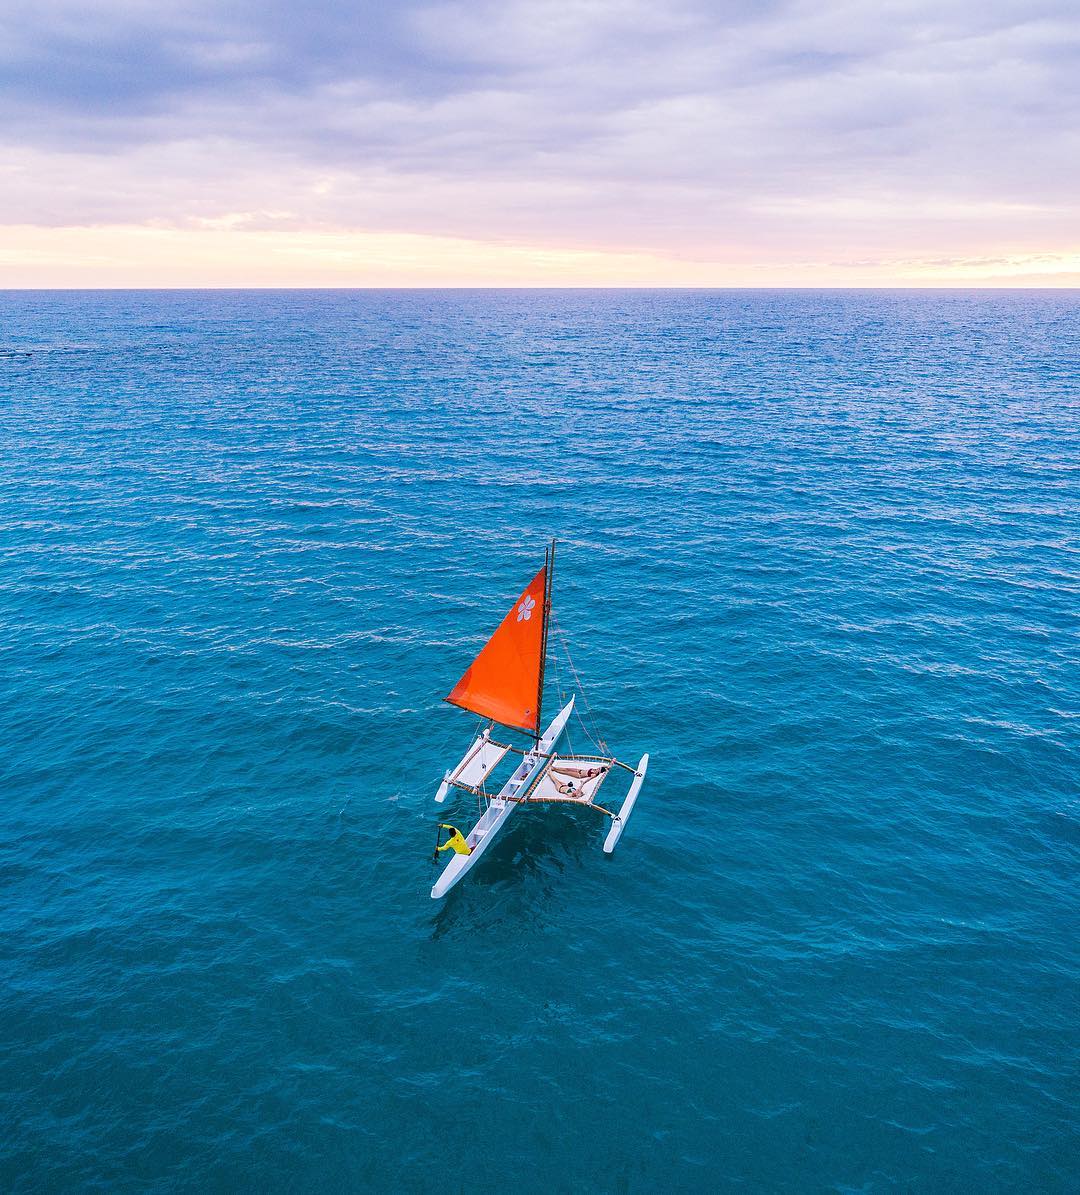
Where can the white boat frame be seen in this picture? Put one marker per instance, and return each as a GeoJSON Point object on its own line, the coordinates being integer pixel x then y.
{"type": "Point", "coordinates": [618, 822]}
{"type": "Point", "coordinates": [484, 755]}
{"type": "Point", "coordinates": [501, 806]}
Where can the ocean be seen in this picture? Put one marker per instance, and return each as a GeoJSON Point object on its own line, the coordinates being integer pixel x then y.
{"type": "Point", "coordinates": [818, 554]}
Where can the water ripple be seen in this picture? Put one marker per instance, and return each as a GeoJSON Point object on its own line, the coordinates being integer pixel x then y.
{"type": "Point", "coordinates": [819, 554]}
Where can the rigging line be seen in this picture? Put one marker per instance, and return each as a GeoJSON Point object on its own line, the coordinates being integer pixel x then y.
{"type": "Point", "coordinates": [592, 735]}
{"type": "Point", "coordinates": [558, 679]}
{"type": "Point", "coordinates": [562, 694]}
{"type": "Point", "coordinates": [581, 689]}
{"type": "Point", "coordinates": [593, 738]}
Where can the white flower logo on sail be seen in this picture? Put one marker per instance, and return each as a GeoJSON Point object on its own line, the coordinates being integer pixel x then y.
{"type": "Point", "coordinates": [526, 608]}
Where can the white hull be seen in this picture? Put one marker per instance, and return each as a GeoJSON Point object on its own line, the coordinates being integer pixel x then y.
{"type": "Point", "coordinates": [619, 824]}
{"type": "Point", "coordinates": [500, 807]}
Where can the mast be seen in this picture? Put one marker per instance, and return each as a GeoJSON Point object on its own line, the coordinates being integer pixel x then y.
{"type": "Point", "coordinates": [549, 575]}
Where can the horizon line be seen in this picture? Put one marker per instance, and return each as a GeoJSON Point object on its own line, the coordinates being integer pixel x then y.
{"type": "Point", "coordinates": [526, 286]}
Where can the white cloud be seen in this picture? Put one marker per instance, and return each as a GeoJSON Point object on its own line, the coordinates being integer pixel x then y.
{"type": "Point", "coordinates": [792, 132]}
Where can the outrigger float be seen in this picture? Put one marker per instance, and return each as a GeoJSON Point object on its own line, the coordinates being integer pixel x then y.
{"type": "Point", "coordinates": [505, 685]}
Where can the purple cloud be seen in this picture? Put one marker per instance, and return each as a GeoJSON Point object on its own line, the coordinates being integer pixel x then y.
{"type": "Point", "coordinates": [697, 129]}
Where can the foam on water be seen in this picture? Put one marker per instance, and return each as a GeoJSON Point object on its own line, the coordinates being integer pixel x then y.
{"type": "Point", "coordinates": [819, 554]}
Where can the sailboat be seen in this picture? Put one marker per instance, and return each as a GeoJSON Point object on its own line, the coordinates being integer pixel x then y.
{"type": "Point", "coordinates": [505, 686]}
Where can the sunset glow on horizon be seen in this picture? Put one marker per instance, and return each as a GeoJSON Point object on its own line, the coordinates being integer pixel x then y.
{"type": "Point", "coordinates": [553, 143]}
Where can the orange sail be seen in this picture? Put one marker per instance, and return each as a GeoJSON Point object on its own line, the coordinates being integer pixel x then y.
{"type": "Point", "coordinates": [503, 682]}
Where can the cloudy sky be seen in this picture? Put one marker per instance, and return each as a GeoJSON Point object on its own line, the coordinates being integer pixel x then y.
{"type": "Point", "coordinates": [547, 142]}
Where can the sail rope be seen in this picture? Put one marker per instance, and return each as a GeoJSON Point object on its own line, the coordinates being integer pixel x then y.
{"type": "Point", "coordinates": [482, 797]}
{"type": "Point", "coordinates": [594, 736]}
{"type": "Point", "coordinates": [561, 691]}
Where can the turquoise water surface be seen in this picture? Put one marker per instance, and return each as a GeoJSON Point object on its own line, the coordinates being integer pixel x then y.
{"type": "Point", "coordinates": [819, 554]}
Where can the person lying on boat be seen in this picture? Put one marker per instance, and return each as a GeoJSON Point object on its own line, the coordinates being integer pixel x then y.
{"type": "Point", "coordinates": [567, 787]}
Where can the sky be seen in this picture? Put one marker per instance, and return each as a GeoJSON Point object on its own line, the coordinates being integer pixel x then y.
{"type": "Point", "coordinates": [540, 143]}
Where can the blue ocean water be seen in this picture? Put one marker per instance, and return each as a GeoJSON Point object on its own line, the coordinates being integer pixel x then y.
{"type": "Point", "coordinates": [819, 554]}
